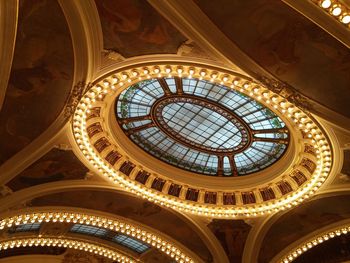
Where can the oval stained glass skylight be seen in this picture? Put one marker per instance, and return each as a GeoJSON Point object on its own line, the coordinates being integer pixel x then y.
{"type": "Point", "coordinates": [201, 126]}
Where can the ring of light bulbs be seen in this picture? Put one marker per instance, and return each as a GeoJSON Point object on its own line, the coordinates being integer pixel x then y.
{"type": "Point", "coordinates": [154, 240]}
{"type": "Point", "coordinates": [66, 243]}
{"type": "Point", "coordinates": [312, 242]}
{"type": "Point", "coordinates": [115, 82]}
{"type": "Point", "coordinates": [335, 9]}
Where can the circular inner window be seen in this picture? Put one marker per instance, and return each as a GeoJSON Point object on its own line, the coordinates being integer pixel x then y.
{"type": "Point", "coordinates": [201, 126]}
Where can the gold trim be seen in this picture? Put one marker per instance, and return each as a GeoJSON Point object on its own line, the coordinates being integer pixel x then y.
{"type": "Point", "coordinates": [105, 89]}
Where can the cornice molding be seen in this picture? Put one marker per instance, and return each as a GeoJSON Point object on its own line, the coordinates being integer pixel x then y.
{"type": "Point", "coordinates": [8, 31]}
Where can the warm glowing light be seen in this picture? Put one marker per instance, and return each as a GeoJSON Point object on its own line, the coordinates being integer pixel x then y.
{"type": "Point", "coordinates": [345, 19]}
{"type": "Point", "coordinates": [336, 11]}
{"type": "Point", "coordinates": [67, 243]}
{"type": "Point", "coordinates": [127, 228]}
{"type": "Point", "coordinates": [296, 252]}
{"type": "Point", "coordinates": [326, 3]}
{"type": "Point", "coordinates": [298, 120]}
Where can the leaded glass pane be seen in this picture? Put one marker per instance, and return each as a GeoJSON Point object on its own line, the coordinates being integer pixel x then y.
{"type": "Point", "coordinates": [189, 127]}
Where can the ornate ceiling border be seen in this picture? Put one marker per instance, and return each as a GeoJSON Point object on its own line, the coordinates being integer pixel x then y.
{"type": "Point", "coordinates": [99, 149]}
{"type": "Point", "coordinates": [135, 230]}
{"type": "Point", "coordinates": [72, 243]}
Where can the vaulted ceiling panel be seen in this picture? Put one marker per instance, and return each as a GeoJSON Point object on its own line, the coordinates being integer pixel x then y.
{"type": "Point", "coordinates": [134, 28]}
{"type": "Point", "coordinates": [302, 221]}
{"type": "Point", "coordinates": [41, 75]}
{"type": "Point", "coordinates": [289, 46]}
{"type": "Point", "coordinates": [56, 165]}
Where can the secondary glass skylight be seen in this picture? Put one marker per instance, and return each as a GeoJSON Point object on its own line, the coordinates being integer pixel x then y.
{"type": "Point", "coordinates": [33, 227]}
{"type": "Point", "coordinates": [131, 243]}
{"type": "Point", "coordinates": [112, 236]}
{"type": "Point", "coordinates": [201, 126]}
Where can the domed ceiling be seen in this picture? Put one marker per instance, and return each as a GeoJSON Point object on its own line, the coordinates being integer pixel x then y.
{"type": "Point", "coordinates": [201, 127]}
{"type": "Point", "coordinates": [174, 131]}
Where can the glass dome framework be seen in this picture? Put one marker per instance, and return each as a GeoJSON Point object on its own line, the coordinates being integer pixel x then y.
{"type": "Point", "coordinates": [104, 146]}
{"type": "Point", "coordinates": [201, 126]}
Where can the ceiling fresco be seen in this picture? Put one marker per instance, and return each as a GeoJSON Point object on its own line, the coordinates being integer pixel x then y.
{"type": "Point", "coordinates": [301, 221]}
{"type": "Point", "coordinates": [133, 208]}
{"type": "Point", "coordinates": [54, 251]}
{"type": "Point", "coordinates": [134, 28]}
{"type": "Point", "coordinates": [289, 46]}
{"type": "Point", "coordinates": [56, 165]}
{"type": "Point", "coordinates": [41, 75]}
{"type": "Point", "coordinates": [282, 41]}
{"type": "Point", "coordinates": [232, 235]}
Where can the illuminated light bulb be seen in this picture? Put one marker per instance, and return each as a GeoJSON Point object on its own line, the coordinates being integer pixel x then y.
{"type": "Point", "coordinates": [135, 73]}
{"type": "Point", "coordinates": [179, 70]}
{"type": "Point", "coordinates": [156, 70]}
{"type": "Point", "coordinates": [326, 4]}
{"type": "Point", "coordinates": [203, 73]}
{"type": "Point", "coordinates": [345, 19]}
{"type": "Point", "coordinates": [115, 79]}
{"type": "Point", "coordinates": [145, 71]}
{"type": "Point", "coordinates": [336, 11]}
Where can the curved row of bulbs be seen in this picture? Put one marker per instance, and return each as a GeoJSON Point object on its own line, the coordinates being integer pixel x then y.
{"type": "Point", "coordinates": [336, 10]}
{"type": "Point", "coordinates": [120, 80]}
{"type": "Point", "coordinates": [137, 232]}
{"type": "Point", "coordinates": [66, 243]}
{"type": "Point", "coordinates": [296, 252]}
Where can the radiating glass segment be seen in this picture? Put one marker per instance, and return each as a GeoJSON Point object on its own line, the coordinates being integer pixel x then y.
{"type": "Point", "coordinates": [200, 124]}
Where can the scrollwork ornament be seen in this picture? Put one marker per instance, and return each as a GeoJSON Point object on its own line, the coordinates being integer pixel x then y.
{"type": "Point", "coordinates": [286, 92]}
{"type": "Point", "coordinates": [74, 97]}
